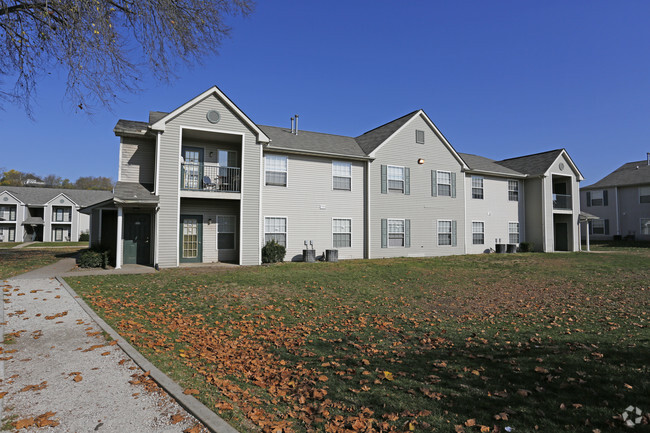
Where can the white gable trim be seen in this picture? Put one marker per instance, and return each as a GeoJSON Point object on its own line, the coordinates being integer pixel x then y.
{"type": "Point", "coordinates": [214, 90]}
{"type": "Point", "coordinates": [433, 128]}
{"type": "Point", "coordinates": [59, 195]}
{"type": "Point", "coordinates": [579, 176]}
{"type": "Point", "coordinates": [12, 196]}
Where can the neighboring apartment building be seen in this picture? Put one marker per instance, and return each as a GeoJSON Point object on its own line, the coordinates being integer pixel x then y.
{"type": "Point", "coordinates": [45, 214]}
{"type": "Point", "coordinates": [622, 201]}
{"type": "Point", "coordinates": [204, 183]}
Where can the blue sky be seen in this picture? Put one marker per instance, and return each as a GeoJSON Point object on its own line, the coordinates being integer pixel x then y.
{"type": "Point", "coordinates": [499, 79]}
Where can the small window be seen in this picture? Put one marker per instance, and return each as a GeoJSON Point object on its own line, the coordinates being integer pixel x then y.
{"type": "Point", "coordinates": [341, 175]}
{"type": "Point", "coordinates": [598, 227]}
{"type": "Point", "coordinates": [477, 187]}
{"type": "Point", "coordinates": [276, 170]}
{"type": "Point", "coordinates": [513, 233]}
{"type": "Point", "coordinates": [444, 183]}
{"type": "Point", "coordinates": [395, 178]}
{"type": "Point", "coordinates": [596, 198]}
{"type": "Point", "coordinates": [395, 233]}
{"type": "Point", "coordinates": [419, 136]}
{"type": "Point", "coordinates": [275, 228]}
{"type": "Point", "coordinates": [513, 190]}
{"type": "Point", "coordinates": [444, 232]}
{"type": "Point", "coordinates": [226, 232]}
{"type": "Point", "coordinates": [644, 194]}
{"type": "Point", "coordinates": [645, 226]}
{"type": "Point", "coordinates": [341, 233]}
{"type": "Point", "coordinates": [478, 233]}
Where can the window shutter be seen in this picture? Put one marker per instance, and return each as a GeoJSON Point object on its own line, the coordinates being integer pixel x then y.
{"type": "Point", "coordinates": [454, 237]}
{"type": "Point", "coordinates": [434, 183]}
{"type": "Point", "coordinates": [384, 179]}
{"type": "Point", "coordinates": [605, 198]}
{"type": "Point", "coordinates": [606, 227]}
{"type": "Point", "coordinates": [232, 159]}
{"type": "Point", "coordinates": [453, 185]}
{"type": "Point", "coordinates": [384, 233]}
{"type": "Point", "coordinates": [407, 181]}
{"type": "Point", "coordinates": [407, 233]}
{"type": "Point", "coordinates": [588, 199]}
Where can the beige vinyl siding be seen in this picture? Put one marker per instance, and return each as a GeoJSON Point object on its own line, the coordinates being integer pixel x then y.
{"type": "Point", "coordinates": [310, 203]}
{"type": "Point", "coordinates": [495, 210]}
{"type": "Point", "coordinates": [605, 212]}
{"type": "Point", "coordinates": [209, 209]}
{"type": "Point", "coordinates": [49, 220]}
{"type": "Point", "coordinates": [419, 206]}
{"type": "Point", "coordinates": [631, 212]}
{"type": "Point", "coordinates": [138, 160]}
{"type": "Point", "coordinates": [170, 142]}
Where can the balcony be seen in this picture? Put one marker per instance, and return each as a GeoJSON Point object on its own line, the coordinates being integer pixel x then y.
{"type": "Point", "coordinates": [210, 177]}
{"type": "Point", "coordinates": [562, 201]}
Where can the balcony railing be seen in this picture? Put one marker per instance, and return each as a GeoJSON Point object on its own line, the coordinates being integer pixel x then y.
{"type": "Point", "coordinates": [209, 177]}
{"type": "Point", "coordinates": [562, 201]}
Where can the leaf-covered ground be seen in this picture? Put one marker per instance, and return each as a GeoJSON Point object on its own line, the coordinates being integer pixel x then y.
{"type": "Point", "coordinates": [554, 342]}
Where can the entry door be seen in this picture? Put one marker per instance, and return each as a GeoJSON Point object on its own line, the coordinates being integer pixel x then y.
{"type": "Point", "coordinates": [137, 236]}
{"type": "Point", "coordinates": [192, 167]}
{"type": "Point", "coordinates": [191, 239]}
{"type": "Point", "coordinates": [561, 237]}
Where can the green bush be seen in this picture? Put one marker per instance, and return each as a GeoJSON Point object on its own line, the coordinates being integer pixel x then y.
{"type": "Point", "coordinates": [93, 259]}
{"type": "Point", "coordinates": [273, 252]}
{"type": "Point", "coordinates": [526, 247]}
{"type": "Point", "coordinates": [84, 237]}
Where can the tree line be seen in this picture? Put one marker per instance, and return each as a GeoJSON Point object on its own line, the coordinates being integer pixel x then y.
{"type": "Point", "coordinates": [18, 178]}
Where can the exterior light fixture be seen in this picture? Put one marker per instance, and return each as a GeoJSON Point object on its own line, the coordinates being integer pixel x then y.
{"type": "Point", "coordinates": [421, 161]}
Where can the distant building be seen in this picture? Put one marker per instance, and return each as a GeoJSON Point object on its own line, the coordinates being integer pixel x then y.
{"type": "Point", "coordinates": [622, 201]}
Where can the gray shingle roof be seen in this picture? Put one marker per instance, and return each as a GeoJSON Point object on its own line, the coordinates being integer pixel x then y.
{"type": "Point", "coordinates": [155, 116]}
{"type": "Point", "coordinates": [130, 127]}
{"type": "Point", "coordinates": [532, 165]}
{"type": "Point", "coordinates": [480, 163]}
{"type": "Point", "coordinates": [132, 191]}
{"type": "Point", "coordinates": [631, 173]}
{"type": "Point", "coordinates": [40, 196]}
{"type": "Point", "coordinates": [370, 140]}
{"type": "Point", "coordinates": [312, 142]}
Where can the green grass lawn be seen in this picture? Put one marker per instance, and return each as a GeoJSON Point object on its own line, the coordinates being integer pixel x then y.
{"type": "Point", "coordinates": [5, 245]}
{"type": "Point", "coordinates": [557, 342]}
{"type": "Point", "coordinates": [58, 244]}
{"type": "Point", "coordinates": [19, 261]}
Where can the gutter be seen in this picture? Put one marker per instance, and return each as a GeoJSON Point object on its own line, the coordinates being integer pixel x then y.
{"type": "Point", "coordinates": [317, 153]}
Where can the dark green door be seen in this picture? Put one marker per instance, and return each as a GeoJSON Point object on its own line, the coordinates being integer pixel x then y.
{"type": "Point", "coordinates": [191, 239]}
{"type": "Point", "coordinates": [561, 237]}
{"type": "Point", "coordinates": [137, 236]}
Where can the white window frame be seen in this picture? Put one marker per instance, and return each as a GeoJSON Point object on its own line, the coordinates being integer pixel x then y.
{"type": "Point", "coordinates": [510, 232]}
{"type": "Point", "coordinates": [341, 233]}
{"type": "Point", "coordinates": [334, 175]}
{"type": "Point", "coordinates": [644, 191]}
{"type": "Point", "coordinates": [445, 233]}
{"type": "Point", "coordinates": [440, 183]}
{"type": "Point", "coordinates": [66, 214]}
{"type": "Point", "coordinates": [63, 230]}
{"type": "Point", "coordinates": [286, 170]}
{"type": "Point", "coordinates": [234, 232]}
{"type": "Point", "coordinates": [403, 232]}
{"type": "Point", "coordinates": [6, 210]}
{"type": "Point", "coordinates": [598, 192]}
{"type": "Point", "coordinates": [482, 233]}
{"type": "Point", "coordinates": [645, 226]}
{"type": "Point", "coordinates": [286, 228]}
{"type": "Point", "coordinates": [513, 193]}
{"type": "Point", "coordinates": [227, 152]}
{"type": "Point", "coordinates": [388, 178]}
{"type": "Point", "coordinates": [477, 187]}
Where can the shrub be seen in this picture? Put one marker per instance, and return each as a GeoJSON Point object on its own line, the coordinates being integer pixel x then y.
{"type": "Point", "coordinates": [84, 237]}
{"type": "Point", "coordinates": [273, 252]}
{"type": "Point", "coordinates": [526, 247]}
{"type": "Point", "coordinates": [93, 259]}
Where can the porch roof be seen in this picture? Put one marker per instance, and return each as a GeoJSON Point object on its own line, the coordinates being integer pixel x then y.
{"type": "Point", "coordinates": [33, 221]}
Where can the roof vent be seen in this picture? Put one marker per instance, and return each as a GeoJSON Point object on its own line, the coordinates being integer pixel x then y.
{"type": "Point", "coordinates": [294, 129]}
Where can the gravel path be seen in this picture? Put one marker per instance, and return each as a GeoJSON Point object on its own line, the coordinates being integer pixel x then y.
{"type": "Point", "coordinates": [57, 367]}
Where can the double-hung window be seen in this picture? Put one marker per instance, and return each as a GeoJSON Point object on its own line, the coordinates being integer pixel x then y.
{"type": "Point", "coordinates": [478, 232]}
{"type": "Point", "coordinates": [226, 231]}
{"type": "Point", "coordinates": [395, 233]}
{"type": "Point", "coordinates": [7, 213]}
{"type": "Point", "coordinates": [477, 187]}
{"type": "Point", "coordinates": [444, 232]}
{"type": "Point", "coordinates": [395, 178]}
{"type": "Point", "coordinates": [513, 190]}
{"type": "Point", "coordinates": [61, 214]}
{"type": "Point", "coordinates": [341, 233]}
{"type": "Point", "coordinates": [644, 194]}
{"type": "Point", "coordinates": [444, 183]}
{"type": "Point", "coordinates": [275, 170]}
{"type": "Point", "coordinates": [596, 198]}
{"type": "Point", "coordinates": [513, 233]}
{"type": "Point", "coordinates": [275, 228]}
{"type": "Point", "coordinates": [598, 227]}
{"type": "Point", "coordinates": [342, 175]}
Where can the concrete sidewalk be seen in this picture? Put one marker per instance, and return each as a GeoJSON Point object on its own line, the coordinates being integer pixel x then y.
{"type": "Point", "coordinates": [57, 366]}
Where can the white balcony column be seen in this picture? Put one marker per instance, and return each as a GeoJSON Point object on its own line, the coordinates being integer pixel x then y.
{"type": "Point", "coordinates": [588, 222]}
{"type": "Point", "coordinates": [118, 248]}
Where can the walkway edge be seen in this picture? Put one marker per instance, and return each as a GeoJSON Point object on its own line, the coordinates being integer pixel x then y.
{"type": "Point", "coordinates": [210, 420]}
